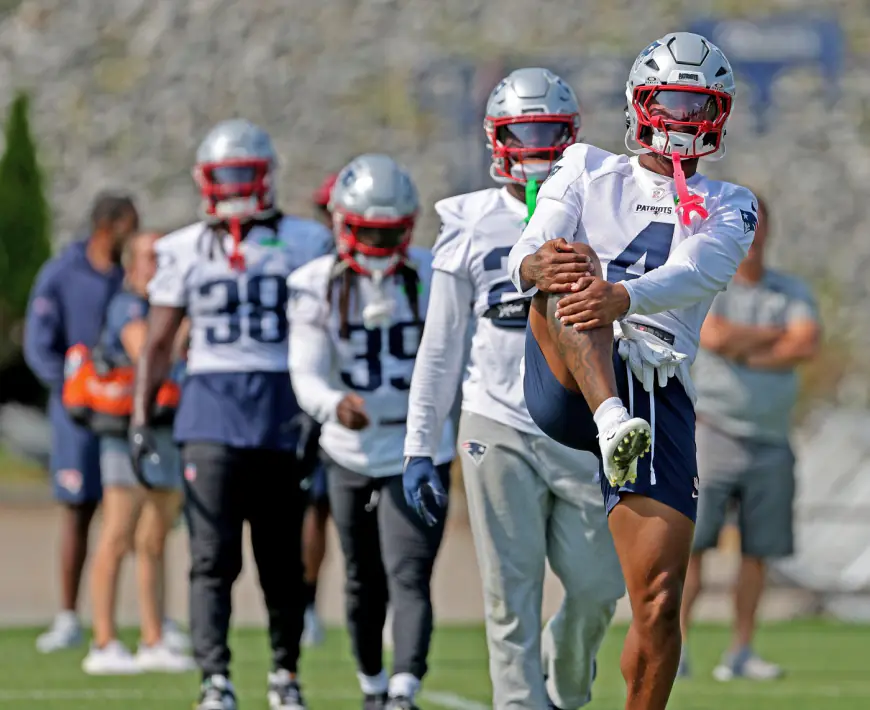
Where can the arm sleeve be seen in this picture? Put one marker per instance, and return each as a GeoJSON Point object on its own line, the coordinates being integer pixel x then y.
{"type": "Point", "coordinates": [168, 287]}
{"type": "Point", "coordinates": [439, 363]}
{"type": "Point", "coordinates": [311, 356]}
{"type": "Point", "coordinates": [702, 265]}
{"type": "Point", "coordinates": [44, 340]}
{"type": "Point", "coordinates": [557, 214]}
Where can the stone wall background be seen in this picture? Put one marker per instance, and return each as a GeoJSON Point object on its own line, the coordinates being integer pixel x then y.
{"type": "Point", "coordinates": [123, 91]}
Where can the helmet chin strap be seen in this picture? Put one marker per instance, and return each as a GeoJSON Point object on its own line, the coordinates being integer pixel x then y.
{"type": "Point", "coordinates": [237, 259]}
{"type": "Point", "coordinates": [688, 203]}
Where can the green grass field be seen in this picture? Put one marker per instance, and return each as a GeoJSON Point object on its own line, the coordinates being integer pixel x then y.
{"type": "Point", "coordinates": [827, 665]}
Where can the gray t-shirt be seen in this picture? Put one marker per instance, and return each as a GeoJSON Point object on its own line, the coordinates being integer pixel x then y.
{"type": "Point", "coordinates": [748, 402]}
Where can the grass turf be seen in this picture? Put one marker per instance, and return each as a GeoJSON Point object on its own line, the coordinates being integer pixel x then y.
{"type": "Point", "coordinates": [826, 663]}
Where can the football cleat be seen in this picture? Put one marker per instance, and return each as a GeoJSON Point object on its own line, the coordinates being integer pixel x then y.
{"type": "Point", "coordinates": [622, 444]}
{"type": "Point", "coordinates": [375, 701]}
{"type": "Point", "coordinates": [284, 692]}
{"type": "Point", "coordinates": [216, 693]}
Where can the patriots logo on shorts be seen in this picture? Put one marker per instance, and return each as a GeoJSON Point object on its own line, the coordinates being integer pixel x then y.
{"type": "Point", "coordinates": [750, 221]}
{"type": "Point", "coordinates": [70, 479]}
{"type": "Point", "coordinates": [190, 473]}
{"type": "Point", "coordinates": [475, 450]}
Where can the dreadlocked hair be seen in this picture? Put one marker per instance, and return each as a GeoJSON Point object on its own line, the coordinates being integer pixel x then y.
{"type": "Point", "coordinates": [347, 283]}
{"type": "Point", "coordinates": [213, 234]}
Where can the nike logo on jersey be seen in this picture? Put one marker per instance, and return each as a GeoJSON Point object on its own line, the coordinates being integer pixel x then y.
{"type": "Point", "coordinates": [695, 484]}
{"type": "Point", "coordinates": [475, 449]}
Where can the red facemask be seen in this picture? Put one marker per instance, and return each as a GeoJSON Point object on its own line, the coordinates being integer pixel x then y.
{"type": "Point", "coordinates": [392, 238]}
{"type": "Point", "coordinates": [536, 138]}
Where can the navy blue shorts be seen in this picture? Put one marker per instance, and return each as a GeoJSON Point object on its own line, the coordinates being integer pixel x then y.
{"type": "Point", "coordinates": [318, 492]}
{"type": "Point", "coordinates": [669, 475]}
{"type": "Point", "coordinates": [75, 459]}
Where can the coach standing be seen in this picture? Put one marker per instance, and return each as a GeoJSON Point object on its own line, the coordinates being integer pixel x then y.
{"type": "Point", "coordinates": [66, 307]}
{"type": "Point", "coordinates": [757, 333]}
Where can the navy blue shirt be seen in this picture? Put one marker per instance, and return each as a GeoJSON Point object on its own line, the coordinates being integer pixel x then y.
{"type": "Point", "coordinates": [67, 306]}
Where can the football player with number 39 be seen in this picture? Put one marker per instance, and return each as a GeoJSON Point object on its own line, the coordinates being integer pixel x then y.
{"type": "Point", "coordinates": [229, 274]}
{"type": "Point", "coordinates": [530, 498]}
{"type": "Point", "coordinates": [355, 325]}
{"type": "Point", "coordinates": [608, 352]}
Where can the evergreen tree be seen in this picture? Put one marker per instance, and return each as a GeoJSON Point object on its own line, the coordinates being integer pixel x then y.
{"type": "Point", "coordinates": [24, 223]}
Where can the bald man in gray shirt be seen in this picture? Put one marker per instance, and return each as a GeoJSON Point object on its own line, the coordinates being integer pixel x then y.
{"type": "Point", "coordinates": [756, 334]}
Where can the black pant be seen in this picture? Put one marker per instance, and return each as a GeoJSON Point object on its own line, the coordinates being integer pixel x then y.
{"type": "Point", "coordinates": [389, 554]}
{"type": "Point", "coordinates": [225, 487]}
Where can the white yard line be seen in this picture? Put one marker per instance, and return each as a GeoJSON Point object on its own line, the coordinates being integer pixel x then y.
{"type": "Point", "coordinates": [452, 701]}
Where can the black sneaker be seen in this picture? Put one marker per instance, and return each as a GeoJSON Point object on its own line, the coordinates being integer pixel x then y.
{"type": "Point", "coordinates": [376, 701]}
{"type": "Point", "coordinates": [216, 693]}
{"type": "Point", "coordinates": [284, 692]}
{"type": "Point", "coordinates": [400, 702]}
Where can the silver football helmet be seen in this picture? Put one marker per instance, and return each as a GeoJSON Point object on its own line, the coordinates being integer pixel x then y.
{"type": "Point", "coordinates": [234, 170]}
{"type": "Point", "coordinates": [680, 92]}
{"type": "Point", "coordinates": [531, 117]}
{"type": "Point", "coordinates": [374, 206]}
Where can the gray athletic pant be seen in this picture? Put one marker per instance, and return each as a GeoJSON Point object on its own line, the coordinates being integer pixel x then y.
{"type": "Point", "coordinates": [532, 500]}
{"type": "Point", "coordinates": [389, 554]}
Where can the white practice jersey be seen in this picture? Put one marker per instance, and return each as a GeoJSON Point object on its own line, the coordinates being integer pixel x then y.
{"type": "Point", "coordinates": [627, 215]}
{"type": "Point", "coordinates": [238, 318]}
{"type": "Point", "coordinates": [374, 363]}
{"type": "Point", "coordinates": [478, 231]}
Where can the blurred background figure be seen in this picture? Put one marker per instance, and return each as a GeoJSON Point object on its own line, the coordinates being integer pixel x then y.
{"type": "Point", "coordinates": [317, 512]}
{"type": "Point", "coordinates": [66, 308]}
{"type": "Point", "coordinates": [320, 198]}
{"type": "Point", "coordinates": [134, 518]}
{"type": "Point", "coordinates": [758, 331]}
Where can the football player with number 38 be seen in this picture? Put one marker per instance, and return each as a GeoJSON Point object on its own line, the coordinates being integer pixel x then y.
{"type": "Point", "coordinates": [229, 274]}
{"type": "Point", "coordinates": [355, 326]}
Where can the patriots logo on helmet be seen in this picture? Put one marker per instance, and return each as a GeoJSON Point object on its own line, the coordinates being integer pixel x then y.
{"type": "Point", "coordinates": [750, 221]}
{"type": "Point", "coordinates": [475, 449]}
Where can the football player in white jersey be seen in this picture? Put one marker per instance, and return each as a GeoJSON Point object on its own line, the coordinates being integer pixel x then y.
{"type": "Point", "coordinates": [228, 273]}
{"type": "Point", "coordinates": [355, 324]}
{"type": "Point", "coordinates": [662, 240]}
{"type": "Point", "coordinates": [530, 499]}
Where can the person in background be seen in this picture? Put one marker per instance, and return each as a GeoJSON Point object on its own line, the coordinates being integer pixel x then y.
{"type": "Point", "coordinates": [134, 518]}
{"type": "Point", "coordinates": [317, 513]}
{"type": "Point", "coordinates": [67, 303]}
{"type": "Point", "coordinates": [756, 334]}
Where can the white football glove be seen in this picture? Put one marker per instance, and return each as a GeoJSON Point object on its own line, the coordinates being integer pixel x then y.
{"type": "Point", "coordinates": [648, 357]}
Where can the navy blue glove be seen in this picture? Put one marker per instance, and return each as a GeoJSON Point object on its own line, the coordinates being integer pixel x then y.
{"type": "Point", "coordinates": [424, 491]}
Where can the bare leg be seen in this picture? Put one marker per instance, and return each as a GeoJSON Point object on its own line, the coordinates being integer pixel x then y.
{"type": "Point", "coordinates": [653, 543]}
{"type": "Point", "coordinates": [581, 361]}
{"type": "Point", "coordinates": [691, 591]}
{"type": "Point", "coordinates": [74, 551]}
{"type": "Point", "coordinates": [158, 514]}
{"type": "Point", "coordinates": [314, 540]}
{"type": "Point", "coordinates": [747, 595]}
{"type": "Point", "coordinates": [120, 510]}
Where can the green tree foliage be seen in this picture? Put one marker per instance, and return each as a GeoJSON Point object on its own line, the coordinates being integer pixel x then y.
{"type": "Point", "coordinates": [24, 223]}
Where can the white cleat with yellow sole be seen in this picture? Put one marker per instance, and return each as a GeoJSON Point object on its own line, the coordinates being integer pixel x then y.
{"type": "Point", "coordinates": [622, 444]}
